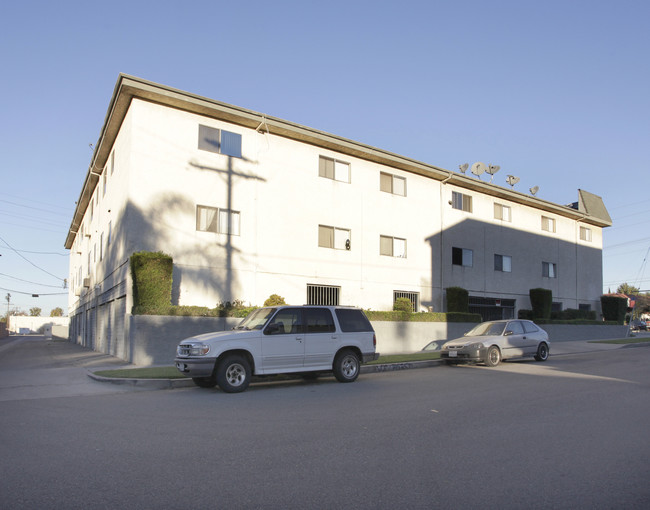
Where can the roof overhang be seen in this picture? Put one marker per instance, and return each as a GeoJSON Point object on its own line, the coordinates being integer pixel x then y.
{"type": "Point", "coordinates": [129, 87]}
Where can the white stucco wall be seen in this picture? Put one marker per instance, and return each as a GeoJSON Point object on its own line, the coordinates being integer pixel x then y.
{"type": "Point", "coordinates": [159, 176]}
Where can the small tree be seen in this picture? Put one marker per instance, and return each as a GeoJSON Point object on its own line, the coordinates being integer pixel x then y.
{"type": "Point", "coordinates": [403, 305]}
{"type": "Point", "coordinates": [35, 312]}
{"type": "Point", "coordinates": [57, 312]}
{"type": "Point", "coordinates": [627, 289]}
{"type": "Point", "coordinates": [274, 300]}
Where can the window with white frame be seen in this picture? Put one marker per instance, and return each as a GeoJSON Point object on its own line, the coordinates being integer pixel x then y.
{"type": "Point", "coordinates": [220, 141]}
{"type": "Point", "coordinates": [461, 201]}
{"type": "Point", "coordinates": [585, 234]}
{"type": "Point", "coordinates": [549, 269]}
{"type": "Point", "coordinates": [394, 184]}
{"type": "Point", "coordinates": [334, 169]}
{"type": "Point", "coordinates": [502, 212]}
{"type": "Point", "coordinates": [392, 246]}
{"type": "Point", "coordinates": [548, 224]}
{"type": "Point", "coordinates": [503, 263]}
{"type": "Point", "coordinates": [217, 220]}
{"type": "Point", "coordinates": [333, 237]}
{"type": "Point", "coordinates": [462, 257]}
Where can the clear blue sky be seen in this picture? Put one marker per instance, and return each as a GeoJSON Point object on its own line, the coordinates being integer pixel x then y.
{"type": "Point", "coordinates": [555, 92]}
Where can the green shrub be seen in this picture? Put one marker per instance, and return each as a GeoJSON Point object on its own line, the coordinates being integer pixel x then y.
{"type": "Point", "coordinates": [403, 305]}
{"type": "Point", "coordinates": [541, 301]}
{"type": "Point", "coordinates": [614, 308]}
{"type": "Point", "coordinates": [152, 282]}
{"type": "Point", "coordinates": [274, 300]}
{"type": "Point", "coordinates": [457, 300]}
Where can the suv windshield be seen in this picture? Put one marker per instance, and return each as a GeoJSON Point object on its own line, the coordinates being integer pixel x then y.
{"type": "Point", "coordinates": [487, 329]}
{"type": "Point", "coordinates": [256, 319]}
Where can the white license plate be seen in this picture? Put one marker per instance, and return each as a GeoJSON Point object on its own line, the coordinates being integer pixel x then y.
{"type": "Point", "coordinates": [453, 354]}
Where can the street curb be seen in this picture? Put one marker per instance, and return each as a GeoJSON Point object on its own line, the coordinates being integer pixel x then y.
{"type": "Point", "coordinates": [164, 384]}
{"type": "Point", "coordinates": [160, 384]}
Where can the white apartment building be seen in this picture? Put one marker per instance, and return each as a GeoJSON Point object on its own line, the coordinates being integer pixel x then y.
{"type": "Point", "coordinates": [250, 205]}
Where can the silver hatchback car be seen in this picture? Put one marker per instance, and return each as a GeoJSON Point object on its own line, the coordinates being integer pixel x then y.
{"type": "Point", "coordinates": [493, 341]}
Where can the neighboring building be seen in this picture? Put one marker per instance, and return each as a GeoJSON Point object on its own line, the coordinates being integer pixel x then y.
{"type": "Point", "coordinates": [249, 205]}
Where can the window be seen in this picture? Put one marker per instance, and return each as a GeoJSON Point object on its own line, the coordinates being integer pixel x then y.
{"type": "Point", "coordinates": [549, 269]}
{"type": "Point", "coordinates": [392, 246]}
{"type": "Point", "coordinates": [323, 295]}
{"type": "Point", "coordinates": [462, 257]}
{"type": "Point", "coordinates": [219, 141]}
{"type": "Point", "coordinates": [413, 297]}
{"type": "Point", "coordinates": [461, 202]}
{"type": "Point", "coordinates": [333, 169]}
{"type": "Point", "coordinates": [548, 224]}
{"type": "Point", "coordinates": [333, 237]}
{"type": "Point", "coordinates": [585, 234]}
{"type": "Point", "coordinates": [101, 246]}
{"type": "Point", "coordinates": [319, 320]}
{"type": "Point", "coordinates": [353, 320]}
{"type": "Point", "coordinates": [392, 184]}
{"type": "Point", "coordinates": [219, 221]}
{"type": "Point", "coordinates": [502, 212]}
{"type": "Point", "coordinates": [286, 321]}
{"type": "Point", "coordinates": [516, 327]}
{"type": "Point", "coordinates": [503, 263]}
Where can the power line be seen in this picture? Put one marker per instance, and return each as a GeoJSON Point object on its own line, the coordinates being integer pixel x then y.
{"type": "Point", "coordinates": [29, 261]}
{"type": "Point", "coordinates": [27, 281]}
{"type": "Point", "coordinates": [36, 293]}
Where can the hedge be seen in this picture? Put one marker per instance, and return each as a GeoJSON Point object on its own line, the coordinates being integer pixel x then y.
{"type": "Point", "coordinates": [614, 308]}
{"type": "Point", "coordinates": [422, 316]}
{"type": "Point", "coordinates": [457, 300]}
{"type": "Point", "coordinates": [152, 281]}
{"type": "Point", "coordinates": [542, 302]}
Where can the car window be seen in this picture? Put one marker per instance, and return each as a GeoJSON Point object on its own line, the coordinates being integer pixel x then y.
{"type": "Point", "coordinates": [529, 327]}
{"type": "Point", "coordinates": [256, 319]}
{"type": "Point", "coordinates": [515, 327]}
{"type": "Point", "coordinates": [319, 320]}
{"type": "Point", "coordinates": [487, 329]}
{"type": "Point", "coordinates": [353, 320]}
{"type": "Point", "coordinates": [286, 321]}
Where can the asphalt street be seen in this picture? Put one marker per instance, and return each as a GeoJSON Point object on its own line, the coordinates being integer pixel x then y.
{"type": "Point", "coordinates": [569, 433]}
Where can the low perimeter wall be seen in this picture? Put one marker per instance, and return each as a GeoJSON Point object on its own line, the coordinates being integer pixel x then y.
{"type": "Point", "coordinates": [153, 339]}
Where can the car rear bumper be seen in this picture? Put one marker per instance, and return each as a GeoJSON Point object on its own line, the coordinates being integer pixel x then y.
{"type": "Point", "coordinates": [369, 356]}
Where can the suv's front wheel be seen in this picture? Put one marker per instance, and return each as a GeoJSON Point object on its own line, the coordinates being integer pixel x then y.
{"type": "Point", "coordinates": [346, 366]}
{"type": "Point", "coordinates": [233, 373]}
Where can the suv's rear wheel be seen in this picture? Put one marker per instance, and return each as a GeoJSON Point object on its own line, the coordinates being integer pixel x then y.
{"type": "Point", "coordinates": [233, 373]}
{"type": "Point", "coordinates": [346, 366]}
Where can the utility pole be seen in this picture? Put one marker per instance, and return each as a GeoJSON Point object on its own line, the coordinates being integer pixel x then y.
{"type": "Point", "coordinates": [8, 298]}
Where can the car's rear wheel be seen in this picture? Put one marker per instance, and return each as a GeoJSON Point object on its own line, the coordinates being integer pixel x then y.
{"type": "Point", "coordinates": [542, 352]}
{"type": "Point", "coordinates": [234, 373]}
{"type": "Point", "coordinates": [493, 356]}
{"type": "Point", "coordinates": [346, 366]}
{"type": "Point", "coordinates": [205, 382]}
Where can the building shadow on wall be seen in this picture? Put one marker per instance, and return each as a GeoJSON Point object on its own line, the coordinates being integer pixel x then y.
{"type": "Point", "coordinates": [577, 265]}
{"type": "Point", "coordinates": [168, 224]}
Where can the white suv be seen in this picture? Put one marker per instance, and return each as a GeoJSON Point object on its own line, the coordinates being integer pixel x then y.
{"type": "Point", "coordinates": [285, 339]}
